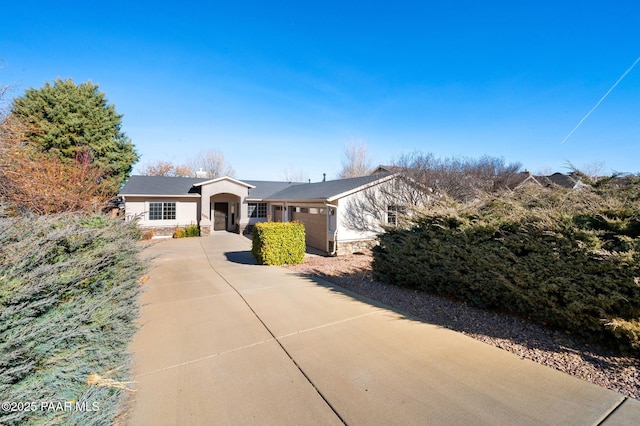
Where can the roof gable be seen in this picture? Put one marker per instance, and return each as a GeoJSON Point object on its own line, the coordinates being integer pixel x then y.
{"type": "Point", "coordinates": [566, 181]}
{"type": "Point", "coordinates": [382, 169]}
{"type": "Point", "coordinates": [224, 178]}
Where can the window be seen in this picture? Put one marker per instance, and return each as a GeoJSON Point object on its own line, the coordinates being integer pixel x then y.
{"type": "Point", "coordinates": [257, 209]}
{"type": "Point", "coordinates": [393, 213]}
{"type": "Point", "coordinates": [162, 211]}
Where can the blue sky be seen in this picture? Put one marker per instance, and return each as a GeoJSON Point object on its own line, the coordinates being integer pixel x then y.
{"type": "Point", "coordinates": [279, 86]}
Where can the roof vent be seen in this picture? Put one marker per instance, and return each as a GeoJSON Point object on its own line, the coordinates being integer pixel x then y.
{"type": "Point", "coordinates": [201, 173]}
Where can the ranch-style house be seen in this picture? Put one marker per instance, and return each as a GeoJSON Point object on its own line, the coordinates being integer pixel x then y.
{"type": "Point", "coordinates": [226, 204]}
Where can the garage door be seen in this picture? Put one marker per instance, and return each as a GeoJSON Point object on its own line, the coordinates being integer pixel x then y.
{"type": "Point", "coordinates": [315, 226]}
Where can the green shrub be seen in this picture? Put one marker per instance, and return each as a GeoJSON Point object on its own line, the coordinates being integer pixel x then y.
{"type": "Point", "coordinates": [566, 259]}
{"type": "Point", "coordinates": [188, 231]}
{"type": "Point", "coordinates": [278, 243]}
{"type": "Point", "coordinates": [68, 300]}
{"type": "Point", "coordinates": [192, 231]}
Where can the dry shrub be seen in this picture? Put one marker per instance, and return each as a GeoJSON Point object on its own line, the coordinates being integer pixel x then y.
{"type": "Point", "coordinates": [147, 234]}
{"type": "Point", "coordinates": [39, 183]}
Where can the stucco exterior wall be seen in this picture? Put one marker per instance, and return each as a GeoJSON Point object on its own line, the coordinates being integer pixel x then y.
{"type": "Point", "coordinates": [358, 219]}
{"type": "Point", "coordinates": [186, 211]}
{"type": "Point", "coordinates": [217, 188]}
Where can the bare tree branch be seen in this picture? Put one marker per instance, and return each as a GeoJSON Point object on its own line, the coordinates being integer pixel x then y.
{"type": "Point", "coordinates": [356, 161]}
{"type": "Point", "coordinates": [421, 179]}
{"type": "Point", "coordinates": [213, 163]}
{"type": "Point", "coordinates": [463, 179]}
{"type": "Point", "coordinates": [293, 175]}
{"type": "Point", "coordinates": [165, 168]}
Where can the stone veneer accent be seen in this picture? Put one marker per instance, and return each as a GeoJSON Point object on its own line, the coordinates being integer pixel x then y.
{"type": "Point", "coordinates": [168, 231]}
{"type": "Point", "coordinates": [160, 231]}
{"type": "Point", "coordinates": [205, 231]}
{"type": "Point", "coordinates": [355, 246]}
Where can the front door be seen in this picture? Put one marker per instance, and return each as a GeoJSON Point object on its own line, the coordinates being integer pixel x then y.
{"type": "Point", "coordinates": [220, 213]}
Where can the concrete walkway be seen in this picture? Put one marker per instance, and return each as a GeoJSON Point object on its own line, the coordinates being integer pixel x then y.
{"type": "Point", "coordinates": [225, 341]}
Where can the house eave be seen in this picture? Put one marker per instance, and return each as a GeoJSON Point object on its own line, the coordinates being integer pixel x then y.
{"type": "Point", "coordinates": [161, 195]}
{"type": "Point", "coordinates": [361, 188]}
{"type": "Point", "coordinates": [297, 200]}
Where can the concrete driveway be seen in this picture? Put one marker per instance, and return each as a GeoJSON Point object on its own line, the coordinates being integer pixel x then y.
{"type": "Point", "coordinates": [225, 341]}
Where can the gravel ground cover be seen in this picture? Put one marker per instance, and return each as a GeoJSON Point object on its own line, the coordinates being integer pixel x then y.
{"type": "Point", "coordinates": [551, 348]}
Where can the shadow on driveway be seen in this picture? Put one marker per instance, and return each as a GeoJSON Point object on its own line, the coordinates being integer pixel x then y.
{"type": "Point", "coordinates": [242, 257]}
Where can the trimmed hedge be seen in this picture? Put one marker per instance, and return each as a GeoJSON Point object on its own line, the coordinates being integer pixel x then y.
{"type": "Point", "coordinates": [566, 259]}
{"type": "Point", "coordinates": [68, 300]}
{"type": "Point", "coordinates": [278, 243]}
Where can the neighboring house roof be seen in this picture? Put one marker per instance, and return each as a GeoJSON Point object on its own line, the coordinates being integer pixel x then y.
{"type": "Point", "coordinates": [329, 190]}
{"type": "Point", "coordinates": [566, 181]}
{"type": "Point", "coordinates": [523, 179]}
{"type": "Point", "coordinates": [520, 179]}
{"type": "Point", "coordinates": [382, 169]}
{"type": "Point", "coordinates": [160, 186]}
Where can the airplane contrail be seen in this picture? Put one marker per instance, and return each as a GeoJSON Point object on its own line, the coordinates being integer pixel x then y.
{"type": "Point", "coordinates": [601, 99]}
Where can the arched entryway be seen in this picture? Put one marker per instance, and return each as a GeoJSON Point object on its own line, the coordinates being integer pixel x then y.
{"type": "Point", "coordinates": [224, 212]}
{"type": "Point", "coordinates": [222, 199]}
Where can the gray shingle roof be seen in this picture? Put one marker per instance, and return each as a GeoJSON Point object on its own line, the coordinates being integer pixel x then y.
{"type": "Point", "coordinates": [323, 190]}
{"type": "Point", "coordinates": [264, 189]}
{"type": "Point", "coordinates": [160, 185]}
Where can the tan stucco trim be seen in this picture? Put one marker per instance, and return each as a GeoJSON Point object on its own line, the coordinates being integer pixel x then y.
{"type": "Point", "coordinates": [236, 181]}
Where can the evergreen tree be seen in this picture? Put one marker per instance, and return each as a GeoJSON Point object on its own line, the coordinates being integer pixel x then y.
{"type": "Point", "coordinates": [76, 124]}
